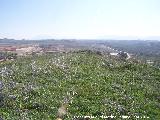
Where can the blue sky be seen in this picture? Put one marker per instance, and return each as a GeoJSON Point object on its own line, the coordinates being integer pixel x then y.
{"type": "Point", "coordinates": [36, 19]}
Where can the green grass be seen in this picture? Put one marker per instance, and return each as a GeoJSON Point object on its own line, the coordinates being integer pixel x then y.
{"type": "Point", "coordinates": [93, 84]}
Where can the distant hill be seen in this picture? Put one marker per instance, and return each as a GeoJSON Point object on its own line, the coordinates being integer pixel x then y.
{"type": "Point", "coordinates": [146, 49]}
{"type": "Point", "coordinates": [139, 47]}
{"type": "Point", "coordinates": [116, 37]}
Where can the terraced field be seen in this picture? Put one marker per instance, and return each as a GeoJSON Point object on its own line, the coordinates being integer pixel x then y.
{"type": "Point", "coordinates": [87, 84]}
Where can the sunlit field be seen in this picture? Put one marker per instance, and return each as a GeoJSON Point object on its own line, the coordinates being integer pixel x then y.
{"type": "Point", "coordinates": [85, 83]}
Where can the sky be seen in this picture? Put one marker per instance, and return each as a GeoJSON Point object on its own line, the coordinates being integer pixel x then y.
{"type": "Point", "coordinates": [79, 19]}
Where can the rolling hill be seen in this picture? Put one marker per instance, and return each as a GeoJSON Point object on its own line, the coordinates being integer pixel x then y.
{"type": "Point", "coordinates": [89, 84]}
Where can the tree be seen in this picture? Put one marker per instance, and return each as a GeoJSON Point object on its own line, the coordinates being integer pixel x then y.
{"type": "Point", "coordinates": [123, 55]}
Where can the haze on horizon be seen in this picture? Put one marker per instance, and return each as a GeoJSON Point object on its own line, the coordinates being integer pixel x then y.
{"type": "Point", "coordinates": [79, 19]}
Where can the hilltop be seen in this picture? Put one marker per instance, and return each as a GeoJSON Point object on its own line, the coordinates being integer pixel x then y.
{"type": "Point", "coordinates": [90, 84]}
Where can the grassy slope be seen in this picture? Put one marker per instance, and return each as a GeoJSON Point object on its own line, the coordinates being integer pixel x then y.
{"type": "Point", "coordinates": [34, 88]}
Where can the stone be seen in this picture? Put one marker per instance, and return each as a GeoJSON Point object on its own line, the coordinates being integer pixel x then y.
{"type": "Point", "coordinates": [1, 85]}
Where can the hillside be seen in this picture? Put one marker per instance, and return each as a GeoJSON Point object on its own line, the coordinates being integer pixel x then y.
{"type": "Point", "coordinates": [33, 88]}
{"type": "Point", "coordinates": [143, 49]}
